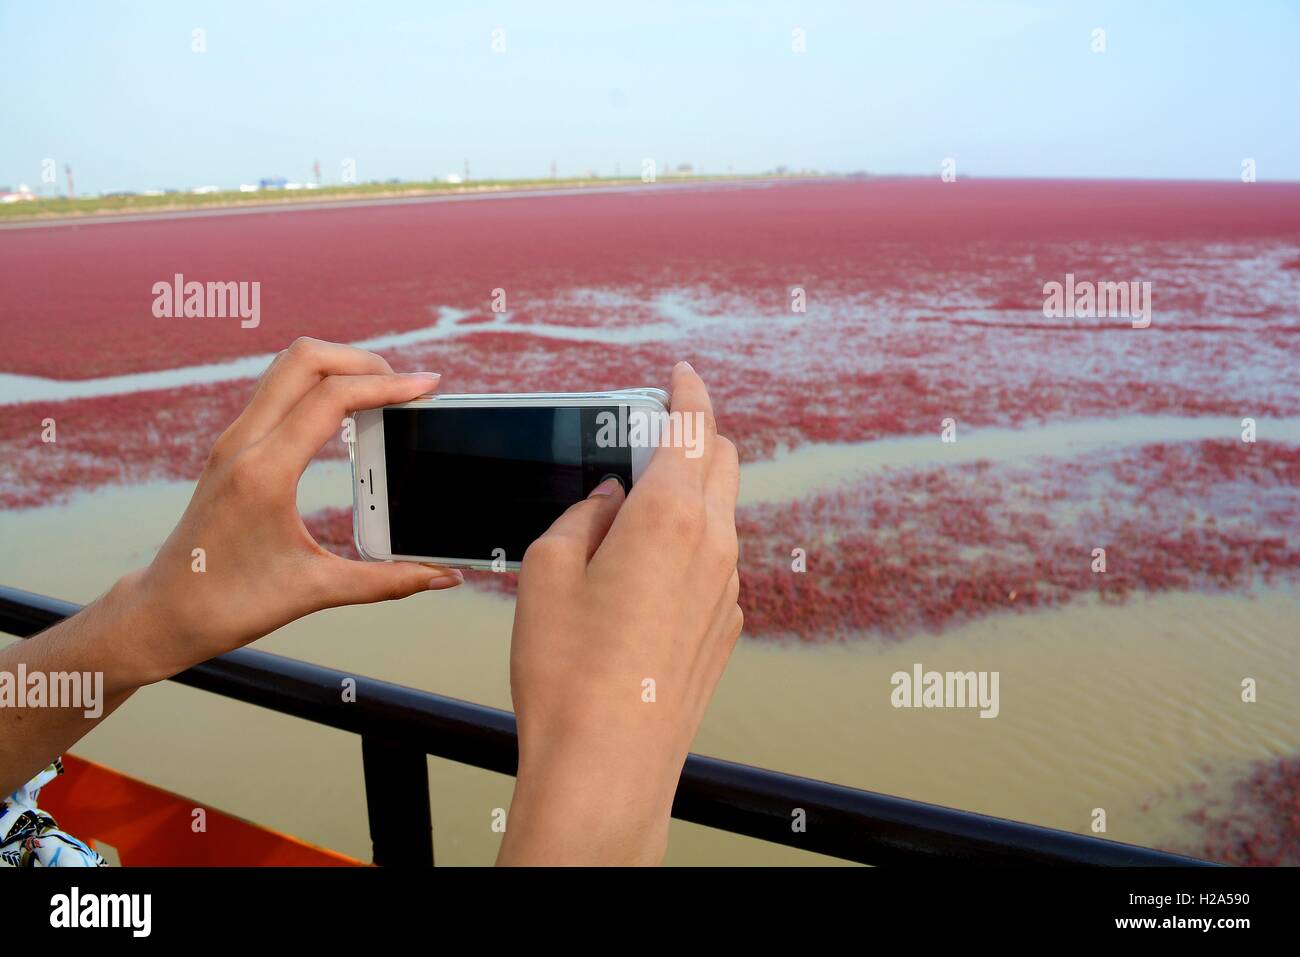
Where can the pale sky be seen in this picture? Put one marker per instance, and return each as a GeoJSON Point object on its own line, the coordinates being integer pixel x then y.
{"type": "Point", "coordinates": [1183, 90]}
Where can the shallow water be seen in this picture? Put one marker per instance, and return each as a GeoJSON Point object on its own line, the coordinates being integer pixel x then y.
{"type": "Point", "coordinates": [24, 388]}
{"type": "Point", "coordinates": [1114, 707]}
{"type": "Point", "coordinates": [679, 319]}
{"type": "Point", "coordinates": [920, 305]}
{"type": "Point", "coordinates": [817, 467]}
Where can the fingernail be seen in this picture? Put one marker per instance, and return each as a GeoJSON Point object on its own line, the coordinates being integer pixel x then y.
{"type": "Point", "coordinates": [607, 487]}
{"type": "Point", "coordinates": [686, 365]}
{"type": "Point", "coordinates": [431, 376]}
{"type": "Point", "coordinates": [450, 580]}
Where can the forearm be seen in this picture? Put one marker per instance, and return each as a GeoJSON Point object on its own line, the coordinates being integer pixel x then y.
{"type": "Point", "coordinates": [589, 804]}
{"type": "Point", "coordinates": [57, 686]}
{"type": "Point", "coordinates": [578, 827]}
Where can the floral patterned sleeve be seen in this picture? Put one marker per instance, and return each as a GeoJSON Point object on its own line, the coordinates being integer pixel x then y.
{"type": "Point", "coordinates": [29, 837]}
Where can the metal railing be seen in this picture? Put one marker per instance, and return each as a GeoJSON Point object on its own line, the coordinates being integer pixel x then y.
{"type": "Point", "coordinates": [399, 726]}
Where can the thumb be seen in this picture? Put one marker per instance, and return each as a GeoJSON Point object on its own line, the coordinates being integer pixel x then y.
{"type": "Point", "coordinates": [360, 583]}
{"type": "Point", "coordinates": [583, 525]}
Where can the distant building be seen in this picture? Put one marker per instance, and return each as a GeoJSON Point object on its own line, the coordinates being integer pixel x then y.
{"type": "Point", "coordinates": [22, 194]}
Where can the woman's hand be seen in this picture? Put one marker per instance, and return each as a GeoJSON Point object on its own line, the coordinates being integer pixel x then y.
{"type": "Point", "coordinates": [626, 617]}
{"type": "Point", "coordinates": [258, 568]}
{"type": "Point", "coordinates": [261, 569]}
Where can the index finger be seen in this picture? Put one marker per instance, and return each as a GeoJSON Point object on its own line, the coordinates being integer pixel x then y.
{"type": "Point", "coordinates": [293, 374]}
{"type": "Point", "coordinates": [312, 421]}
{"type": "Point", "coordinates": [684, 450]}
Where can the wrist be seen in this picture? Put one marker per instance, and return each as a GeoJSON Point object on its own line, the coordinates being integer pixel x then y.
{"type": "Point", "coordinates": [558, 827]}
{"type": "Point", "coordinates": [578, 808]}
{"type": "Point", "coordinates": [132, 636]}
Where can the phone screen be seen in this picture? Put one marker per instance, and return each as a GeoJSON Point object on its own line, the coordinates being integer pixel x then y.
{"type": "Point", "coordinates": [465, 482]}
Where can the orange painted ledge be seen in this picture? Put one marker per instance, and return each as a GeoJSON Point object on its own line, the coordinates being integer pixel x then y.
{"type": "Point", "coordinates": [150, 827]}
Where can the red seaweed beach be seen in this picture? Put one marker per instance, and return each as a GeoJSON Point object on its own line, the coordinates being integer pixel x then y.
{"type": "Point", "coordinates": [924, 303]}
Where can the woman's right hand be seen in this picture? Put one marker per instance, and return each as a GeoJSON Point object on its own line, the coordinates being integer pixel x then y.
{"type": "Point", "coordinates": [625, 619]}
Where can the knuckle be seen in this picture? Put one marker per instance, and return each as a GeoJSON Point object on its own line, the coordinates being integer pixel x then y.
{"type": "Point", "coordinates": [393, 589]}
{"type": "Point", "coordinates": [249, 476]}
{"type": "Point", "coordinates": [723, 548]}
{"type": "Point", "coordinates": [677, 512]}
{"type": "Point", "coordinates": [304, 347]}
{"type": "Point", "coordinates": [726, 452]}
{"type": "Point", "coordinates": [221, 450]}
{"type": "Point", "coordinates": [578, 507]}
{"type": "Point", "coordinates": [733, 588]}
{"type": "Point", "coordinates": [306, 351]}
{"type": "Point", "coordinates": [547, 552]}
{"type": "Point", "coordinates": [334, 389]}
{"type": "Point", "coordinates": [685, 515]}
{"type": "Point", "coordinates": [243, 475]}
{"type": "Point", "coordinates": [276, 363]}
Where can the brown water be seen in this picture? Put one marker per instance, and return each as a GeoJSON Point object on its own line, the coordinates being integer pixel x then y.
{"type": "Point", "coordinates": [1120, 708]}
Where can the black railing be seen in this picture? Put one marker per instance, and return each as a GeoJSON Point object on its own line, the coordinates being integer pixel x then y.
{"type": "Point", "coordinates": [399, 726]}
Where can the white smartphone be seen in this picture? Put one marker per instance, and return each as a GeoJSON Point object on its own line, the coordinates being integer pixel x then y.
{"type": "Point", "coordinates": [472, 480]}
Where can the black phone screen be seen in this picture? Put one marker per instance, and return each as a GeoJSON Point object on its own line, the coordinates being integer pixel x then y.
{"type": "Point", "coordinates": [484, 483]}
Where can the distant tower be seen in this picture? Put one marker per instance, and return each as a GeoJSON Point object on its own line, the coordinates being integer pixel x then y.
{"type": "Point", "coordinates": [467, 171]}
{"type": "Point", "coordinates": [72, 193]}
{"type": "Point", "coordinates": [315, 168]}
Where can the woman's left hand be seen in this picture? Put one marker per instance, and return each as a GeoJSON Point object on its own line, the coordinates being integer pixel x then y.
{"type": "Point", "coordinates": [259, 568]}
